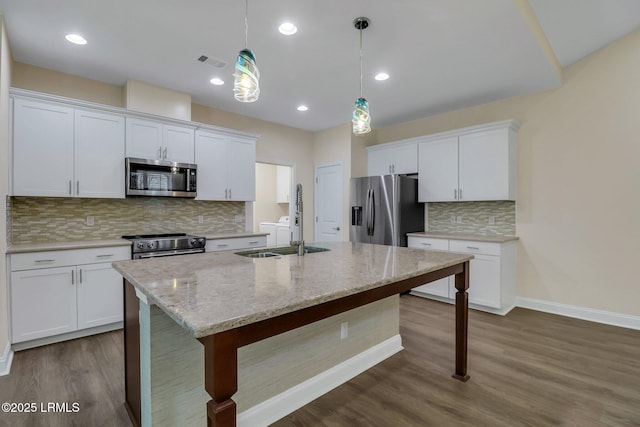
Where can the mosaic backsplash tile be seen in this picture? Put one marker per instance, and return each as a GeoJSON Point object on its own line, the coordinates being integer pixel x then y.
{"type": "Point", "coordinates": [475, 217]}
{"type": "Point", "coordinates": [54, 219]}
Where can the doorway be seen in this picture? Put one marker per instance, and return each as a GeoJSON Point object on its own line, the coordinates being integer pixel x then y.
{"type": "Point", "coordinates": [272, 207]}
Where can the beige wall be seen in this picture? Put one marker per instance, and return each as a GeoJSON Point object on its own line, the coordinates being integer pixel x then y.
{"type": "Point", "coordinates": [265, 208]}
{"type": "Point", "coordinates": [334, 146]}
{"type": "Point", "coordinates": [157, 100]}
{"type": "Point", "coordinates": [5, 79]}
{"type": "Point", "coordinates": [26, 76]}
{"type": "Point", "coordinates": [578, 205]}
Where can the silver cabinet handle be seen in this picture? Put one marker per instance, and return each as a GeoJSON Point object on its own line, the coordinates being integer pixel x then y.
{"type": "Point", "coordinates": [77, 188]}
{"type": "Point", "coordinates": [73, 277]}
{"type": "Point", "coordinates": [229, 194]}
{"type": "Point", "coordinates": [222, 246]}
{"type": "Point", "coordinates": [426, 244]}
{"type": "Point", "coordinates": [460, 192]}
{"type": "Point", "coordinates": [455, 194]}
{"type": "Point", "coordinates": [164, 156]}
{"type": "Point", "coordinates": [44, 260]}
{"type": "Point", "coordinates": [104, 256]}
{"type": "Point", "coordinates": [80, 275]}
{"type": "Point", "coordinates": [70, 188]}
{"type": "Point", "coordinates": [253, 243]}
{"type": "Point", "coordinates": [393, 168]}
{"type": "Point", "coordinates": [336, 228]}
{"type": "Point", "coordinates": [473, 247]}
{"type": "Point", "coordinates": [160, 153]}
{"type": "Point", "coordinates": [226, 193]}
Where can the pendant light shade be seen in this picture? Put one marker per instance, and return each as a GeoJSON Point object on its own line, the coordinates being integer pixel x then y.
{"type": "Point", "coordinates": [361, 121]}
{"type": "Point", "coordinates": [246, 78]}
{"type": "Point", "coordinates": [246, 86]}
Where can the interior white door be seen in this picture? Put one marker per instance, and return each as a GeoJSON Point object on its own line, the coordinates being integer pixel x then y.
{"type": "Point", "coordinates": [328, 203]}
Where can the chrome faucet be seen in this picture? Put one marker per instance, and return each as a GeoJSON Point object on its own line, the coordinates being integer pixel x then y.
{"type": "Point", "coordinates": [298, 221]}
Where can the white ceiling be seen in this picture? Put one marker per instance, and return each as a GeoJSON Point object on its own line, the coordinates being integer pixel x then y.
{"type": "Point", "coordinates": [441, 54]}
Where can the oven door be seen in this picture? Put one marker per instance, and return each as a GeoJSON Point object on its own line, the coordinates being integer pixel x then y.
{"type": "Point", "coordinates": [160, 178]}
{"type": "Point", "coordinates": [168, 253]}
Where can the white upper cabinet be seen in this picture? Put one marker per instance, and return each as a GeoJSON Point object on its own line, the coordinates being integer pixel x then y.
{"type": "Point", "coordinates": [394, 157]}
{"type": "Point", "coordinates": [147, 139]}
{"type": "Point", "coordinates": [438, 170]}
{"type": "Point", "coordinates": [99, 155]}
{"type": "Point", "coordinates": [470, 164]}
{"type": "Point", "coordinates": [226, 166]}
{"type": "Point", "coordinates": [283, 184]}
{"type": "Point", "coordinates": [42, 149]}
{"type": "Point", "coordinates": [65, 152]}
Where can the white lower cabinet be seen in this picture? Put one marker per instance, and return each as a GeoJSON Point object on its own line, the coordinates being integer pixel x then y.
{"type": "Point", "coordinates": [49, 298]}
{"type": "Point", "coordinates": [492, 282]}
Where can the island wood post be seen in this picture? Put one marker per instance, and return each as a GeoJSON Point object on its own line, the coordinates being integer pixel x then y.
{"type": "Point", "coordinates": [221, 377]}
{"type": "Point", "coordinates": [462, 322]}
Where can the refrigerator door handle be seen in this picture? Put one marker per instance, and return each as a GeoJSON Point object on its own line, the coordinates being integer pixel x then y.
{"type": "Point", "coordinates": [372, 212]}
{"type": "Point", "coordinates": [368, 219]}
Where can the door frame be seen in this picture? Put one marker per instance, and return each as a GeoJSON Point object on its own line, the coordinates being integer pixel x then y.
{"type": "Point", "coordinates": [316, 198]}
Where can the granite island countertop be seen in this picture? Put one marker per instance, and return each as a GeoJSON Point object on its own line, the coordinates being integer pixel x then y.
{"type": "Point", "coordinates": [217, 291]}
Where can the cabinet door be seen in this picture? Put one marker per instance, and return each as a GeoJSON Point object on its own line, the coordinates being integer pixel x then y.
{"type": "Point", "coordinates": [99, 155]}
{"type": "Point", "coordinates": [438, 170]}
{"type": "Point", "coordinates": [439, 287]}
{"type": "Point", "coordinates": [99, 295]}
{"type": "Point", "coordinates": [144, 139]}
{"type": "Point", "coordinates": [283, 184]}
{"type": "Point", "coordinates": [484, 280]}
{"type": "Point", "coordinates": [242, 170]}
{"type": "Point", "coordinates": [378, 162]}
{"type": "Point", "coordinates": [42, 149]}
{"type": "Point", "coordinates": [211, 158]}
{"type": "Point", "coordinates": [43, 303]}
{"type": "Point", "coordinates": [405, 158]}
{"type": "Point", "coordinates": [178, 144]}
{"type": "Point", "coordinates": [484, 165]}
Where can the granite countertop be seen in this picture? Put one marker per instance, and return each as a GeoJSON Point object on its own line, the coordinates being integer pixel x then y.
{"type": "Point", "coordinates": [216, 291]}
{"type": "Point", "coordinates": [231, 235]}
{"type": "Point", "coordinates": [61, 246]}
{"type": "Point", "coordinates": [496, 238]}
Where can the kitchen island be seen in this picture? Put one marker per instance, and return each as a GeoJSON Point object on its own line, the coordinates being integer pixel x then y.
{"type": "Point", "coordinates": [223, 302]}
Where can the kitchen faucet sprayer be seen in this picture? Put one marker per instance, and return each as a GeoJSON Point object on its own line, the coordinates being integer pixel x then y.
{"type": "Point", "coordinates": [298, 221]}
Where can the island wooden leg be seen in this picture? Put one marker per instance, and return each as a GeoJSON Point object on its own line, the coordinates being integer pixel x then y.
{"type": "Point", "coordinates": [462, 322]}
{"type": "Point", "coordinates": [221, 377]}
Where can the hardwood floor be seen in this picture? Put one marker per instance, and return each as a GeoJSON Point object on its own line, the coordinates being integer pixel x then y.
{"type": "Point", "coordinates": [527, 369]}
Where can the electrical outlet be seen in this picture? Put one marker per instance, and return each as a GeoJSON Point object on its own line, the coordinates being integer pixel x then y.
{"type": "Point", "coordinates": [200, 219]}
{"type": "Point", "coordinates": [453, 219]}
{"type": "Point", "coordinates": [344, 330]}
{"type": "Point", "coordinates": [90, 220]}
{"type": "Point", "coordinates": [492, 220]}
{"type": "Point", "coordinates": [459, 219]}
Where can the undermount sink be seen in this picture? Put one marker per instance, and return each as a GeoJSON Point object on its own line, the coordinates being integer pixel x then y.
{"type": "Point", "coordinates": [278, 251]}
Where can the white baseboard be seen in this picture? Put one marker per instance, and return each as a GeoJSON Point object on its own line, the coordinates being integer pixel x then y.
{"type": "Point", "coordinates": [68, 336]}
{"type": "Point", "coordinates": [271, 410]}
{"type": "Point", "coordinates": [593, 315]}
{"type": "Point", "coordinates": [5, 360]}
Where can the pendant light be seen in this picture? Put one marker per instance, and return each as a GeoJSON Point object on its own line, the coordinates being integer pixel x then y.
{"type": "Point", "coordinates": [361, 119]}
{"type": "Point", "coordinates": [246, 77]}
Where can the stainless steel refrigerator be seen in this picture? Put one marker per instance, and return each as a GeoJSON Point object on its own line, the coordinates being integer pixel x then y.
{"type": "Point", "coordinates": [384, 209]}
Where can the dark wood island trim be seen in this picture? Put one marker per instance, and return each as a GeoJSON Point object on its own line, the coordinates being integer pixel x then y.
{"type": "Point", "coordinates": [220, 349]}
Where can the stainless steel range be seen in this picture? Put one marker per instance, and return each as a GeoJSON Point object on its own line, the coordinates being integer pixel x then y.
{"type": "Point", "coordinates": [157, 245]}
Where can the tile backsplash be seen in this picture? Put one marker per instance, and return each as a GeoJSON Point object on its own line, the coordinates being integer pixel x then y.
{"type": "Point", "coordinates": [54, 219]}
{"type": "Point", "coordinates": [474, 216]}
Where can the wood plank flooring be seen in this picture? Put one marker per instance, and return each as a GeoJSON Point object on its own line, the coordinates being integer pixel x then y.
{"type": "Point", "coordinates": [527, 369]}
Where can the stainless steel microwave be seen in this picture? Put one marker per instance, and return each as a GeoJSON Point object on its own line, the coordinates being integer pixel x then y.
{"type": "Point", "coordinates": [145, 177]}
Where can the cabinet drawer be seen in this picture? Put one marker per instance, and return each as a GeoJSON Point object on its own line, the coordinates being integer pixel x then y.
{"type": "Point", "coordinates": [428, 243]}
{"type": "Point", "coordinates": [474, 247]}
{"type": "Point", "coordinates": [48, 259]}
{"type": "Point", "coordinates": [236, 243]}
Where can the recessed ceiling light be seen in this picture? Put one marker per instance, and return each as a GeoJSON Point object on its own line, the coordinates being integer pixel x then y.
{"type": "Point", "coordinates": [381, 76]}
{"type": "Point", "coordinates": [302, 108]}
{"type": "Point", "coordinates": [216, 81]}
{"type": "Point", "coordinates": [75, 39]}
{"type": "Point", "coordinates": [287, 28]}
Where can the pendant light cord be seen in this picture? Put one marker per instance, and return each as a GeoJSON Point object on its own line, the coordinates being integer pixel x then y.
{"type": "Point", "coordinates": [360, 62]}
{"type": "Point", "coordinates": [246, 24]}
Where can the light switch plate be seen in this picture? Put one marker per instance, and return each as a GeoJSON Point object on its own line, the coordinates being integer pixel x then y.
{"type": "Point", "coordinates": [90, 220]}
